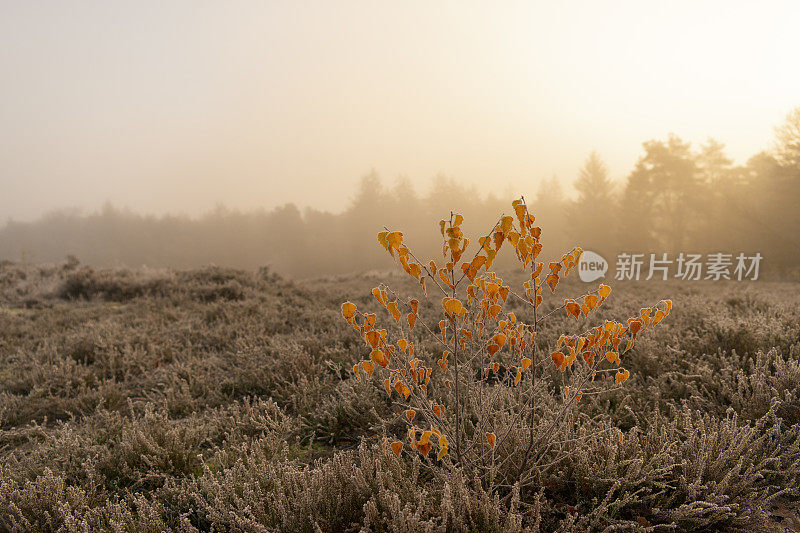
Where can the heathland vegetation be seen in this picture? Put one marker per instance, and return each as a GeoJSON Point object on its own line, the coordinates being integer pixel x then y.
{"type": "Point", "coordinates": [225, 400]}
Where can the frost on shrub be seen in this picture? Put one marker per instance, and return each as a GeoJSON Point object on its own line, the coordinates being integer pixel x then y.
{"type": "Point", "coordinates": [490, 405]}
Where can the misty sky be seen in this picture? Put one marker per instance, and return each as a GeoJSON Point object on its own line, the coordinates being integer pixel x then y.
{"type": "Point", "coordinates": [176, 106]}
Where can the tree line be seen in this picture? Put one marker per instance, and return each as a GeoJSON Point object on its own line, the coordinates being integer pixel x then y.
{"type": "Point", "coordinates": [678, 198]}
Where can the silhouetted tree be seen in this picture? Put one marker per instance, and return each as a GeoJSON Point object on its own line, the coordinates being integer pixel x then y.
{"type": "Point", "coordinates": [787, 140]}
{"type": "Point", "coordinates": [661, 198]}
{"type": "Point", "coordinates": [591, 216]}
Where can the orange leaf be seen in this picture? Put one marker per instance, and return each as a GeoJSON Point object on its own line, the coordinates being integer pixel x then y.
{"type": "Point", "coordinates": [379, 357]}
{"type": "Point", "coordinates": [604, 291]}
{"type": "Point", "coordinates": [552, 281]}
{"type": "Point", "coordinates": [376, 292]}
{"type": "Point", "coordinates": [424, 449]}
{"type": "Point", "coordinates": [402, 389]}
{"type": "Point", "coordinates": [520, 210]}
{"type": "Point", "coordinates": [504, 292]}
{"type": "Point", "coordinates": [526, 362]}
{"type": "Point", "coordinates": [437, 410]}
{"type": "Point", "coordinates": [397, 447]}
{"type": "Point", "coordinates": [348, 309]}
{"type": "Point", "coordinates": [369, 368]}
{"type": "Point", "coordinates": [412, 319]}
{"type": "Point", "coordinates": [373, 338]}
{"type": "Point", "coordinates": [392, 307]}
{"type": "Point", "coordinates": [453, 306]}
{"type": "Point", "coordinates": [572, 308]}
{"type": "Point", "coordinates": [394, 239]}
{"type": "Point", "coordinates": [387, 384]}
{"type": "Point", "coordinates": [491, 438]}
{"type": "Point", "coordinates": [558, 358]}
{"type": "Point", "coordinates": [410, 414]}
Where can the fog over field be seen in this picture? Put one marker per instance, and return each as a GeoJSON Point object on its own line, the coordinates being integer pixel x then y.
{"type": "Point", "coordinates": [424, 266]}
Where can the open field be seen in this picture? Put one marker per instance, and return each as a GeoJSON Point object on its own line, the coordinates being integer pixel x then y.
{"type": "Point", "coordinates": [223, 400]}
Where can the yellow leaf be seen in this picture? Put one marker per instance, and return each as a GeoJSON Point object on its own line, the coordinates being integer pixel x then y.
{"type": "Point", "coordinates": [382, 239]}
{"type": "Point", "coordinates": [426, 436]}
{"type": "Point", "coordinates": [506, 223]}
{"type": "Point", "coordinates": [442, 453]}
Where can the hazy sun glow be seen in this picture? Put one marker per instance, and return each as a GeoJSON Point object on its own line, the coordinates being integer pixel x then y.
{"type": "Point", "coordinates": [173, 107]}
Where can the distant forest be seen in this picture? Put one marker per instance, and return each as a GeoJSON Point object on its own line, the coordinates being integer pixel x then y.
{"type": "Point", "coordinates": [678, 198]}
